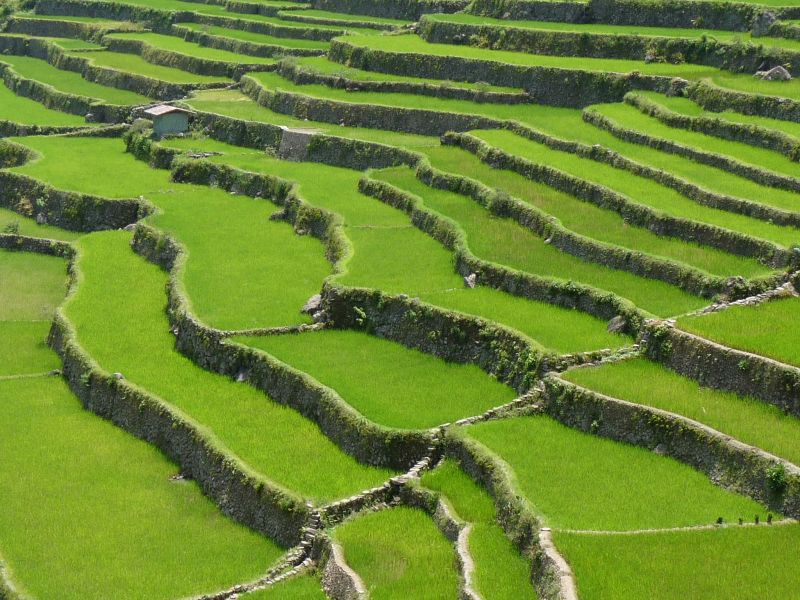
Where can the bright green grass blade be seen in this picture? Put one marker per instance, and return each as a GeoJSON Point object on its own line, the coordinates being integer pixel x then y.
{"type": "Point", "coordinates": [579, 481]}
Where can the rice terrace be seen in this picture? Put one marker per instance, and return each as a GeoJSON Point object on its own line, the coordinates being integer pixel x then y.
{"type": "Point", "coordinates": [400, 299]}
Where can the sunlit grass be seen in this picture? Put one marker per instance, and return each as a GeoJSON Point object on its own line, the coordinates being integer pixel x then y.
{"type": "Point", "coordinates": [685, 106]}
{"type": "Point", "coordinates": [730, 37]}
{"type": "Point", "coordinates": [592, 221]}
{"type": "Point", "coordinates": [412, 44]}
{"type": "Point", "coordinates": [96, 509]}
{"type": "Point", "coordinates": [24, 111]}
{"type": "Point", "coordinates": [258, 38]}
{"type": "Point", "coordinates": [399, 553]}
{"type": "Point", "coordinates": [501, 573]}
{"type": "Point", "coordinates": [27, 226]}
{"type": "Point", "coordinates": [234, 104]}
{"type": "Point", "coordinates": [270, 271]}
{"type": "Point", "coordinates": [769, 329]}
{"type": "Point", "coordinates": [31, 285]}
{"type": "Point", "coordinates": [175, 44]}
{"type": "Point", "coordinates": [121, 288]}
{"type": "Point", "coordinates": [733, 563]}
{"type": "Point", "coordinates": [578, 481]}
{"type": "Point", "coordinates": [326, 67]}
{"type": "Point", "coordinates": [385, 381]}
{"type": "Point", "coordinates": [506, 242]}
{"type": "Point", "coordinates": [630, 118]}
{"type": "Point", "coordinates": [69, 82]}
{"type": "Point", "coordinates": [24, 350]}
{"type": "Point", "coordinates": [650, 384]}
{"type": "Point", "coordinates": [135, 64]}
{"type": "Point", "coordinates": [637, 188]}
{"type": "Point", "coordinates": [392, 255]}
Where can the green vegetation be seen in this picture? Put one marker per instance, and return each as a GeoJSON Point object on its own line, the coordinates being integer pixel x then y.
{"type": "Point", "coordinates": [320, 64]}
{"type": "Point", "coordinates": [592, 221]}
{"type": "Point", "coordinates": [299, 587]}
{"type": "Point", "coordinates": [258, 38]}
{"type": "Point", "coordinates": [731, 563]}
{"type": "Point", "coordinates": [743, 82]}
{"type": "Point", "coordinates": [685, 106]}
{"type": "Point", "coordinates": [32, 286]}
{"type": "Point", "coordinates": [769, 329]}
{"type": "Point", "coordinates": [521, 249]}
{"type": "Point", "coordinates": [746, 419]}
{"type": "Point", "coordinates": [69, 82]}
{"type": "Point", "coordinates": [323, 15]}
{"type": "Point", "coordinates": [181, 46]}
{"type": "Point", "coordinates": [24, 111]}
{"type": "Point", "coordinates": [399, 552]}
{"type": "Point", "coordinates": [385, 381]}
{"type": "Point", "coordinates": [501, 573]}
{"type": "Point", "coordinates": [118, 287]}
{"type": "Point", "coordinates": [11, 221]}
{"type": "Point", "coordinates": [96, 509]}
{"type": "Point", "coordinates": [234, 104]}
{"type": "Point", "coordinates": [568, 124]}
{"type": "Point", "coordinates": [135, 64]}
{"type": "Point", "coordinates": [410, 44]}
{"type": "Point", "coordinates": [578, 481]}
{"type": "Point", "coordinates": [271, 272]}
{"type": "Point", "coordinates": [392, 255]}
{"type": "Point", "coordinates": [638, 189]}
{"type": "Point", "coordinates": [24, 350]}
{"type": "Point", "coordinates": [730, 37]}
{"type": "Point", "coordinates": [631, 119]}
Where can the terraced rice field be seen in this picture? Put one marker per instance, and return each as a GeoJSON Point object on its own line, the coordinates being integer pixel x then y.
{"type": "Point", "coordinates": [429, 299]}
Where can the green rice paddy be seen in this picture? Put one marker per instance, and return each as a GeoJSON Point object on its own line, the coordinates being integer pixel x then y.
{"type": "Point", "coordinates": [24, 111]}
{"type": "Point", "coordinates": [89, 511]}
{"type": "Point", "coordinates": [135, 64]}
{"type": "Point", "coordinates": [578, 481]}
{"type": "Point", "coordinates": [639, 189]}
{"type": "Point", "coordinates": [269, 438]}
{"type": "Point", "coordinates": [631, 119]}
{"type": "Point", "coordinates": [720, 563]}
{"type": "Point", "coordinates": [171, 43]}
{"type": "Point", "coordinates": [373, 375]}
{"type": "Point", "coordinates": [390, 254]}
{"type": "Point", "coordinates": [501, 573]}
{"type": "Point", "coordinates": [399, 550]}
{"type": "Point", "coordinates": [69, 82]}
{"type": "Point", "coordinates": [257, 38]}
{"type": "Point", "coordinates": [770, 329]}
{"type": "Point", "coordinates": [409, 44]}
{"type": "Point", "coordinates": [729, 37]}
{"type": "Point", "coordinates": [746, 419]}
{"type": "Point", "coordinates": [685, 106]}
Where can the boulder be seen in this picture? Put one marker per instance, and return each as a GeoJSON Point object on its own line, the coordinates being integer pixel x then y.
{"type": "Point", "coordinates": [470, 280]}
{"type": "Point", "coordinates": [778, 73]}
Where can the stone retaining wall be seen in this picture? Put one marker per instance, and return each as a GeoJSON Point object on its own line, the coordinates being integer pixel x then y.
{"type": "Point", "coordinates": [545, 85]}
{"type": "Point", "coordinates": [242, 495]}
{"type": "Point", "coordinates": [719, 367]}
{"type": "Point", "coordinates": [727, 462]}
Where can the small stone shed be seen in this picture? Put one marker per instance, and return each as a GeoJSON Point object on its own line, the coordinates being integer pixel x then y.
{"type": "Point", "coordinates": [168, 120]}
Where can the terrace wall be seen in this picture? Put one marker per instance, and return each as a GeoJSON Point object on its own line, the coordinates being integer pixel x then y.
{"type": "Point", "coordinates": [716, 366]}
{"type": "Point", "coordinates": [728, 463]}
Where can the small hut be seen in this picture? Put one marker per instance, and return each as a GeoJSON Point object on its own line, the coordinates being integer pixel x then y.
{"type": "Point", "coordinates": [168, 120]}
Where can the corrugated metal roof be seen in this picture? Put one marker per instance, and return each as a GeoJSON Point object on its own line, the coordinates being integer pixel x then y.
{"type": "Point", "coordinates": [164, 109]}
